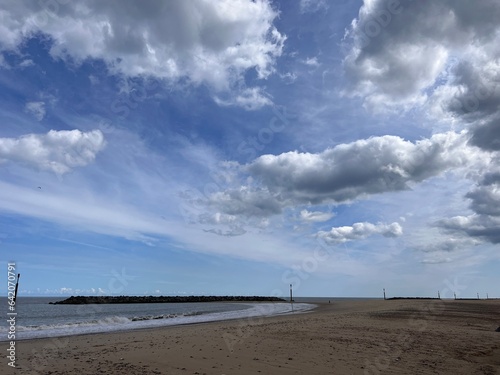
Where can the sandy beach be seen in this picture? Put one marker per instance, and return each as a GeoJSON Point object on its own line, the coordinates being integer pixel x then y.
{"type": "Point", "coordinates": [344, 337]}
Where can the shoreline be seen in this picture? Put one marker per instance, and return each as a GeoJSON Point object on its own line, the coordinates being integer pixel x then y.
{"type": "Point", "coordinates": [260, 309]}
{"type": "Point", "coordinates": [352, 337]}
{"type": "Point", "coordinates": [155, 329]}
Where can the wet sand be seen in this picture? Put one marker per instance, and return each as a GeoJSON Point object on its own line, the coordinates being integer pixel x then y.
{"type": "Point", "coordinates": [344, 337]}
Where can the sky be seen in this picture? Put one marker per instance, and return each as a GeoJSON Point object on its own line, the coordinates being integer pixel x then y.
{"type": "Point", "coordinates": [235, 147]}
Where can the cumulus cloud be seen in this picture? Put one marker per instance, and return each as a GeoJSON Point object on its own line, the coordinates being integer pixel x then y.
{"type": "Point", "coordinates": [315, 216]}
{"type": "Point", "coordinates": [487, 135]}
{"type": "Point", "coordinates": [444, 55]}
{"type": "Point", "coordinates": [484, 224]}
{"type": "Point", "coordinates": [483, 227]}
{"type": "Point", "coordinates": [359, 231]}
{"type": "Point", "coordinates": [348, 171]}
{"type": "Point", "coordinates": [399, 50]}
{"type": "Point", "coordinates": [471, 97]}
{"type": "Point", "coordinates": [36, 109]}
{"type": "Point", "coordinates": [205, 42]}
{"type": "Point", "coordinates": [485, 198]}
{"type": "Point", "coordinates": [344, 173]}
{"type": "Point", "coordinates": [56, 151]}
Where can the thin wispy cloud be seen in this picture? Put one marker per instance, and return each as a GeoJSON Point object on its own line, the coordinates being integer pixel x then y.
{"type": "Point", "coordinates": [37, 109]}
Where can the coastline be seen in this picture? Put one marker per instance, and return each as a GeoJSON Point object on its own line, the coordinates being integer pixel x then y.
{"type": "Point", "coordinates": [123, 321]}
{"type": "Point", "coordinates": [358, 337]}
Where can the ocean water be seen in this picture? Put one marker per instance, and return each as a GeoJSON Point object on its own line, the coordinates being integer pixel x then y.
{"type": "Point", "coordinates": [36, 318]}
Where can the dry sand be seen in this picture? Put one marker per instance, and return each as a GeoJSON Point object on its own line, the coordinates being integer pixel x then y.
{"type": "Point", "coordinates": [346, 337]}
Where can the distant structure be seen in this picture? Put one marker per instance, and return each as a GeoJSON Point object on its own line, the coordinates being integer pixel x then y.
{"type": "Point", "coordinates": [478, 296]}
{"type": "Point", "coordinates": [291, 297]}
{"type": "Point", "coordinates": [455, 294]}
{"type": "Point", "coordinates": [439, 297]}
{"type": "Point", "coordinates": [384, 294]}
{"type": "Point", "coordinates": [487, 297]}
{"type": "Point", "coordinates": [87, 300]}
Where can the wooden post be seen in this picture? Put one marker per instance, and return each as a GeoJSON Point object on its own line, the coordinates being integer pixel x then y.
{"type": "Point", "coordinates": [17, 284]}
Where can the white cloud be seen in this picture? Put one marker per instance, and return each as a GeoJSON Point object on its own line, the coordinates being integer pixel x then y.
{"type": "Point", "coordinates": [207, 42]}
{"type": "Point", "coordinates": [316, 216]}
{"type": "Point", "coordinates": [288, 77]}
{"type": "Point", "coordinates": [250, 98]}
{"type": "Point", "coordinates": [312, 61]}
{"type": "Point", "coordinates": [484, 224]}
{"type": "Point", "coordinates": [349, 171]}
{"type": "Point", "coordinates": [311, 6]}
{"type": "Point", "coordinates": [344, 173]}
{"type": "Point", "coordinates": [402, 51]}
{"type": "Point", "coordinates": [56, 151]}
{"type": "Point", "coordinates": [26, 63]}
{"type": "Point", "coordinates": [86, 212]}
{"type": "Point", "coordinates": [106, 213]}
{"type": "Point", "coordinates": [445, 56]}
{"type": "Point", "coordinates": [359, 231]}
{"type": "Point", "coordinates": [37, 109]}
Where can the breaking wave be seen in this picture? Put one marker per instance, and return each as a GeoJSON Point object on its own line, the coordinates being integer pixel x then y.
{"type": "Point", "coordinates": [122, 323]}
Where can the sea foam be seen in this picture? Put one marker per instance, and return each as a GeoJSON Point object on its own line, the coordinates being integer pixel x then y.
{"type": "Point", "coordinates": [121, 323]}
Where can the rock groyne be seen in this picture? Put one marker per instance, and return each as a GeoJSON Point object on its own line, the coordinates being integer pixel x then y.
{"type": "Point", "coordinates": [82, 300]}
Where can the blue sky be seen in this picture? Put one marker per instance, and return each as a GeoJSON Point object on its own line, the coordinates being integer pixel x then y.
{"type": "Point", "coordinates": [235, 147]}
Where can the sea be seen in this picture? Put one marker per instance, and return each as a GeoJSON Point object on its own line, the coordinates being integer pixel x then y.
{"type": "Point", "coordinates": [36, 318]}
